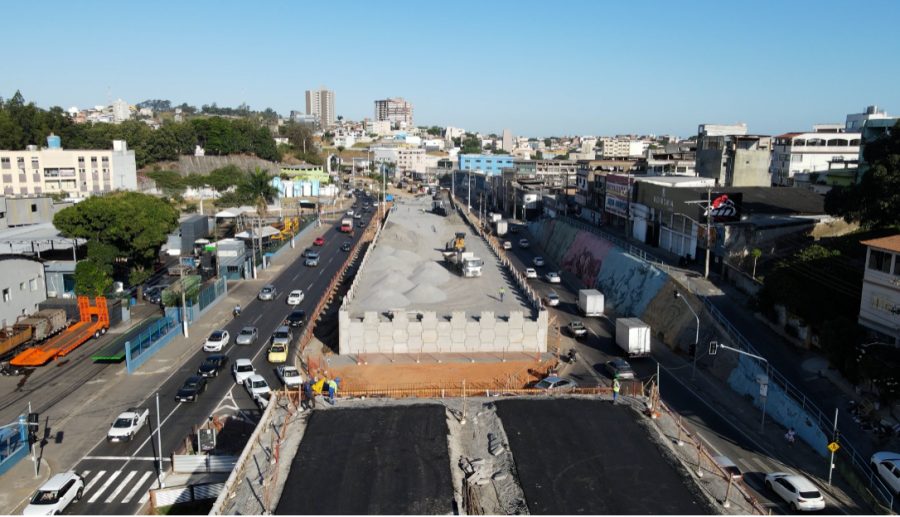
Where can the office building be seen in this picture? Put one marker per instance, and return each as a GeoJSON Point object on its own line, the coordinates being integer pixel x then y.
{"type": "Point", "coordinates": [394, 110]}
{"type": "Point", "coordinates": [321, 104]}
{"type": "Point", "coordinates": [621, 148]}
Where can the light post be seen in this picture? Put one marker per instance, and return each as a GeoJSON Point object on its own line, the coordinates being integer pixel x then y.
{"type": "Point", "coordinates": [697, 338]}
{"type": "Point", "coordinates": [763, 380]}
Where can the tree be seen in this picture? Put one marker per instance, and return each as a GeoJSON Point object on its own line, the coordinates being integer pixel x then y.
{"type": "Point", "coordinates": [340, 117]}
{"type": "Point", "coordinates": [258, 187]}
{"type": "Point", "coordinates": [340, 150]}
{"type": "Point", "coordinates": [91, 280]}
{"type": "Point", "coordinates": [501, 151]}
{"type": "Point", "coordinates": [538, 155]}
{"type": "Point", "coordinates": [548, 142]}
{"type": "Point", "coordinates": [874, 202]}
{"type": "Point", "coordinates": [135, 225]}
{"type": "Point", "coordinates": [756, 253]}
{"type": "Point", "coordinates": [435, 131]}
{"type": "Point", "coordinates": [471, 146]}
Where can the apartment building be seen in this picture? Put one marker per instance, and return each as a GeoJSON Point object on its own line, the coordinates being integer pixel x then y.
{"type": "Point", "coordinates": [378, 127]}
{"type": "Point", "coordinates": [321, 104]}
{"type": "Point", "coordinates": [732, 157]}
{"type": "Point", "coordinates": [394, 110]}
{"type": "Point", "coordinates": [620, 148]}
{"type": "Point", "coordinates": [879, 308]}
{"type": "Point", "coordinates": [77, 172]}
{"type": "Point", "coordinates": [794, 153]}
{"type": "Point", "coordinates": [411, 160]}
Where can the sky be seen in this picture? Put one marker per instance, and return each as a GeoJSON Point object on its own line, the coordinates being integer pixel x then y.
{"type": "Point", "coordinates": [537, 68]}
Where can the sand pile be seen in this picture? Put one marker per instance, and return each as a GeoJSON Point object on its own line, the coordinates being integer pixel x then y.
{"type": "Point", "coordinates": [407, 257]}
{"type": "Point", "coordinates": [424, 294]}
{"type": "Point", "coordinates": [385, 299]}
{"type": "Point", "coordinates": [393, 281]}
{"type": "Point", "coordinates": [431, 273]}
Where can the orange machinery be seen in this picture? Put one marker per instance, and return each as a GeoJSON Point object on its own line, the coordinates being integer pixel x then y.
{"type": "Point", "coordinates": [72, 338]}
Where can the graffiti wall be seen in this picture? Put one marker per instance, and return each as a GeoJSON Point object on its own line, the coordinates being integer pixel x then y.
{"type": "Point", "coordinates": [629, 283]}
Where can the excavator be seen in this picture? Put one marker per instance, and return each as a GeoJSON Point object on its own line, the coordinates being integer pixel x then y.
{"type": "Point", "coordinates": [457, 244]}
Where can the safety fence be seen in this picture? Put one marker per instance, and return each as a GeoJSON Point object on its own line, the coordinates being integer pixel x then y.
{"type": "Point", "coordinates": [493, 388]}
{"type": "Point", "coordinates": [162, 497]}
{"type": "Point", "coordinates": [209, 295]}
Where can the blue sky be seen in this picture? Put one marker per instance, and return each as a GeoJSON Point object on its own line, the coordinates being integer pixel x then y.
{"type": "Point", "coordinates": [537, 68]}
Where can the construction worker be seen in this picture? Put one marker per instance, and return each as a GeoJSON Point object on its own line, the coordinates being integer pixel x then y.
{"type": "Point", "coordinates": [501, 294]}
{"type": "Point", "coordinates": [308, 394]}
{"type": "Point", "coordinates": [616, 387]}
{"type": "Point", "coordinates": [332, 389]}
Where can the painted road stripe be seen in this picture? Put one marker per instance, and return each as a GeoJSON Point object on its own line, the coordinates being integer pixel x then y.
{"type": "Point", "coordinates": [93, 481]}
{"type": "Point", "coordinates": [763, 465]}
{"type": "Point", "coordinates": [105, 486]}
{"type": "Point", "coordinates": [137, 486]}
{"type": "Point", "coordinates": [121, 486]}
{"type": "Point", "coordinates": [124, 458]}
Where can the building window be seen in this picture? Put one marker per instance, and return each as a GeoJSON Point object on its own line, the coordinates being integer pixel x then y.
{"type": "Point", "coordinates": [22, 286]}
{"type": "Point", "coordinates": [880, 261]}
{"type": "Point", "coordinates": [6, 295]}
{"type": "Point", "coordinates": [35, 163]}
{"type": "Point", "coordinates": [33, 284]}
{"type": "Point", "coordinates": [20, 162]}
{"type": "Point", "coordinates": [4, 163]}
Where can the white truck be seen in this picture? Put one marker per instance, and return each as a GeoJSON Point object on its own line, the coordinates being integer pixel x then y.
{"type": "Point", "coordinates": [128, 424]}
{"type": "Point", "coordinates": [464, 263]}
{"type": "Point", "coordinates": [633, 336]}
{"type": "Point", "coordinates": [494, 217]}
{"type": "Point", "coordinates": [502, 228]}
{"type": "Point", "coordinates": [590, 302]}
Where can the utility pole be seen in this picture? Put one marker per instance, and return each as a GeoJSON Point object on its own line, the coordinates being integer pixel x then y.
{"type": "Point", "coordinates": [697, 338]}
{"type": "Point", "coordinates": [708, 218]}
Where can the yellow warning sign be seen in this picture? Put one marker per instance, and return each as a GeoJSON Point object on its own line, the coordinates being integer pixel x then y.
{"type": "Point", "coordinates": [833, 447]}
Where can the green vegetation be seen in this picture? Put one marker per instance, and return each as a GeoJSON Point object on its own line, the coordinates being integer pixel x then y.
{"type": "Point", "coordinates": [875, 201]}
{"type": "Point", "coordinates": [435, 131]}
{"type": "Point", "coordinates": [471, 145]}
{"type": "Point", "coordinates": [91, 280]}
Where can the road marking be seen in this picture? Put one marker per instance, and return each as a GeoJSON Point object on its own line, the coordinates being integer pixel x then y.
{"type": "Point", "coordinates": [257, 319]}
{"type": "Point", "coordinates": [746, 464]}
{"type": "Point", "coordinates": [105, 486]}
{"type": "Point", "coordinates": [121, 486]}
{"type": "Point", "coordinates": [130, 495]}
{"type": "Point", "coordinates": [93, 481]}
{"type": "Point", "coordinates": [123, 458]}
{"type": "Point", "coordinates": [765, 468]}
{"type": "Point", "coordinates": [710, 445]}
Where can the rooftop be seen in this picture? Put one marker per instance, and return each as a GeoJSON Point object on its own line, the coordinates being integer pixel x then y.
{"type": "Point", "coordinates": [891, 243]}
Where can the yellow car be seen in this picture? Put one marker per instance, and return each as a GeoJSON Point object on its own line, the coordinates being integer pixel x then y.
{"type": "Point", "coordinates": [278, 353]}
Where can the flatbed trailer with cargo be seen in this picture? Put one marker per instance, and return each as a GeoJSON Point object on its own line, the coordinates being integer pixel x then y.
{"type": "Point", "coordinates": [72, 338]}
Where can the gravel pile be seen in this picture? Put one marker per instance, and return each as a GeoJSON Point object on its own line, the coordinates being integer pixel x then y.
{"type": "Point", "coordinates": [385, 299]}
{"type": "Point", "coordinates": [431, 273]}
{"type": "Point", "coordinates": [394, 281]}
{"type": "Point", "coordinates": [425, 293]}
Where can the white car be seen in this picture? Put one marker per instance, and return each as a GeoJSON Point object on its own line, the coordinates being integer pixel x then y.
{"type": "Point", "coordinates": [350, 212]}
{"type": "Point", "coordinates": [887, 465]}
{"type": "Point", "coordinates": [242, 368]}
{"type": "Point", "coordinates": [507, 245]}
{"type": "Point", "coordinates": [553, 278]}
{"type": "Point", "coordinates": [798, 491]}
{"type": "Point", "coordinates": [56, 494]}
{"type": "Point", "coordinates": [295, 297]}
{"type": "Point", "coordinates": [256, 385]}
{"type": "Point", "coordinates": [216, 341]}
{"type": "Point", "coordinates": [552, 299]}
{"type": "Point", "coordinates": [289, 376]}
{"type": "Point", "coordinates": [530, 273]}
{"type": "Point", "coordinates": [538, 261]}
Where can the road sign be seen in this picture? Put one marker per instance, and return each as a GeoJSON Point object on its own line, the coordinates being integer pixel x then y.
{"type": "Point", "coordinates": [833, 447]}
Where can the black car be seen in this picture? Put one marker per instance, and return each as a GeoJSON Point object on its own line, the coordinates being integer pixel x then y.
{"type": "Point", "coordinates": [361, 224]}
{"type": "Point", "coordinates": [513, 229]}
{"type": "Point", "coordinates": [154, 294]}
{"type": "Point", "coordinates": [296, 318]}
{"type": "Point", "coordinates": [191, 389]}
{"type": "Point", "coordinates": [211, 366]}
{"type": "Point", "coordinates": [346, 246]}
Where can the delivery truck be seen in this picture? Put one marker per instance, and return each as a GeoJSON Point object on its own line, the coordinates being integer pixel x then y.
{"type": "Point", "coordinates": [633, 336]}
{"type": "Point", "coordinates": [590, 302]}
{"type": "Point", "coordinates": [501, 228]}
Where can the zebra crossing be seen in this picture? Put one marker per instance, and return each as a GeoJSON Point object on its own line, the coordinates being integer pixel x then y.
{"type": "Point", "coordinates": [119, 486]}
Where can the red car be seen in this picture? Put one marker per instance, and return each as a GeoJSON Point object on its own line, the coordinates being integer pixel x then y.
{"type": "Point", "coordinates": [319, 241]}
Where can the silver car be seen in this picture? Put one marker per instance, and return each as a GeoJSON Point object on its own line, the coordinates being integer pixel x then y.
{"type": "Point", "coordinates": [620, 368]}
{"type": "Point", "coordinates": [247, 336]}
{"type": "Point", "coordinates": [268, 293]}
{"type": "Point", "coordinates": [312, 259]}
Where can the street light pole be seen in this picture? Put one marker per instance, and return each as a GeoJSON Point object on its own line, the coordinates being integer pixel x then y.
{"type": "Point", "coordinates": [697, 338]}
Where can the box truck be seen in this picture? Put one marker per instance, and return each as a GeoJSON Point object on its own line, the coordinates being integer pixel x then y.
{"type": "Point", "coordinates": [590, 302]}
{"type": "Point", "coordinates": [633, 336]}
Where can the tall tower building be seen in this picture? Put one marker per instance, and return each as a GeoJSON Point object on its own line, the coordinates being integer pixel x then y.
{"type": "Point", "coordinates": [321, 104]}
{"type": "Point", "coordinates": [507, 144]}
{"type": "Point", "coordinates": [394, 110]}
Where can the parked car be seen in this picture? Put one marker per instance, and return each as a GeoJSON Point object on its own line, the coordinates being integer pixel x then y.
{"type": "Point", "coordinates": [191, 389]}
{"type": "Point", "coordinates": [216, 341]}
{"type": "Point", "coordinates": [247, 336]}
{"type": "Point", "coordinates": [268, 293]}
{"type": "Point", "coordinates": [798, 491]}
{"type": "Point", "coordinates": [211, 366]}
{"type": "Point", "coordinates": [346, 246]}
{"type": "Point", "coordinates": [553, 278]}
{"type": "Point", "coordinates": [153, 294]}
{"type": "Point", "coordinates": [887, 465]}
{"type": "Point", "coordinates": [320, 241]}
{"type": "Point", "coordinates": [577, 329]}
{"type": "Point", "coordinates": [620, 368]}
{"type": "Point", "coordinates": [256, 385]}
{"type": "Point", "coordinates": [507, 245]}
{"type": "Point", "coordinates": [552, 299]}
{"type": "Point", "coordinates": [295, 297]}
{"type": "Point", "coordinates": [56, 494]}
{"type": "Point", "coordinates": [556, 385]}
{"type": "Point", "coordinates": [306, 252]}
{"type": "Point", "coordinates": [538, 261]}
{"type": "Point", "coordinates": [523, 243]}
{"type": "Point", "coordinates": [241, 369]}
{"type": "Point", "coordinates": [312, 260]}
{"type": "Point", "coordinates": [289, 376]}
{"type": "Point", "coordinates": [295, 318]}
{"type": "Point", "coordinates": [530, 273]}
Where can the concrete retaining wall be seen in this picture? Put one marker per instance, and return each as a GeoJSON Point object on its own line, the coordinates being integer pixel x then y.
{"type": "Point", "coordinates": [405, 332]}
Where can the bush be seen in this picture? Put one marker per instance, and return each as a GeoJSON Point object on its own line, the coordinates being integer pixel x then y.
{"type": "Point", "coordinates": [190, 208]}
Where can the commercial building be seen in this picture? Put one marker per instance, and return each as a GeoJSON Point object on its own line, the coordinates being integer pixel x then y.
{"type": "Point", "coordinates": [879, 307]}
{"type": "Point", "coordinates": [794, 153]}
{"type": "Point", "coordinates": [77, 173]}
{"type": "Point", "coordinates": [321, 104]}
{"type": "Point", "coordinates": [394, 110]}
{"type": "Point", "coordinates": [489, 163]}
{"type": "Point", "coordinates": [412, 160]}
{"type": "Point", "coordinates": [22, 287]}
{"type": "Point", "coordinates": [733, 158]}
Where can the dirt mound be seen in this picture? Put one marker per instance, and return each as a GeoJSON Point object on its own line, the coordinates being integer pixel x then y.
{"type": "Point", "coordinates": [431, 273]}
{"type": "Point", "coordinates": [425, 293]}
{"type": "Point", "coordinates": [393, 281]}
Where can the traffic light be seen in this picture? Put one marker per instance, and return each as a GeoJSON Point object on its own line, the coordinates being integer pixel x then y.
{"type": "Point", "coordinates": [713, 346]}
{"type": "Point", "coordinates": [837, 436]}
{"type": "Point", "coordinates": [693, 350]}
{"type": "Point", "coordinates": [33, 422]}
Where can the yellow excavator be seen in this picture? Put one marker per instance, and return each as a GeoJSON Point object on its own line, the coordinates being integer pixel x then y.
{"type": "Point", "coordinates": [457, 244]}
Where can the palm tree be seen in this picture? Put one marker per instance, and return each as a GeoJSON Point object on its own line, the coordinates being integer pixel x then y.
{"type": "Point", "coordinates": [756, 253]}
{"type": "Point", "coordinates": [258, 187]}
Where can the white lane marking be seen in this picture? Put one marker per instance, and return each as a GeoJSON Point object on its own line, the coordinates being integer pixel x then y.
{"type": "Point", "coordinates": [121, 486]}
{"type": "Point", "coordinates": [710, 445]}
{"type": "Point", "coordinates": [93, 481]}
{"type": "Point", "coordinates": [130, 495]}
{"type": "Point", "coordinates": [765, 468]}
{"type": "Point", "coordinates": [257, 319]}
{"type": "Point", "coordinates": [105, 486]}
{"type": "Point", "coordinates": [123, 458]}
{"type": "Point", "coordinates": [747, 466]}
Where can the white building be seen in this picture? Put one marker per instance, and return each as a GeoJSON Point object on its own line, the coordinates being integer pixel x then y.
{"type": "Point", "coordinates": [454, 132]}
{"type": "Point", "coordinates": [879, 307]}
{"type": "Point", "coordinates": [320, 103]}
{"type": "Point", "coordinates": [794, 153]}
{"type": "Point", "coordinates": [855, 121]}
{"type": "Point", "coordinates": [618, 148]}
{"type": "Point", "coordinates": [433, 144]}
{"type": "Point", "coordinates": [395, 110]}
{"type": "Point", "coordinates": [345, 140]}
{"type": "Point", "coordinates": [385, 154]}
{"type": "Point", "coordinates": [507, 141]}
{"type": "Point", "coordinates": [378, 127]}
{"type": "Point", "coordinates": [121, 112]}
{"type": "Point", "coordinates": [411, 160]}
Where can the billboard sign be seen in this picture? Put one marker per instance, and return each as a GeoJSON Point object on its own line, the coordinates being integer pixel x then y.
{"type": "Point", "coordinates": [723, 208]}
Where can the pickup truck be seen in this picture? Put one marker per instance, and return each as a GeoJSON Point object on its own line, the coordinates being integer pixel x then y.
{"type": "Point", "coordinates": [128, 424]}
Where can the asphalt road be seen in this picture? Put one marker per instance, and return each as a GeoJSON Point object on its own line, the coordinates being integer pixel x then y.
{"type": "Point", "coordinates": [372, 461]}
{"type": "Point", "coordinates": [118, 475]}
{"type": "Point", "coordinates": [719, 433]}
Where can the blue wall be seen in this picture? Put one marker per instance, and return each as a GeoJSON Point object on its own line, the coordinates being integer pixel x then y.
{"type": "Point", "coordinates": [490, 164]}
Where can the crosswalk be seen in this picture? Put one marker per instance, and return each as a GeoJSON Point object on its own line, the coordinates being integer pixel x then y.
{"type": "Point", "coordinates": [107, 487]}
